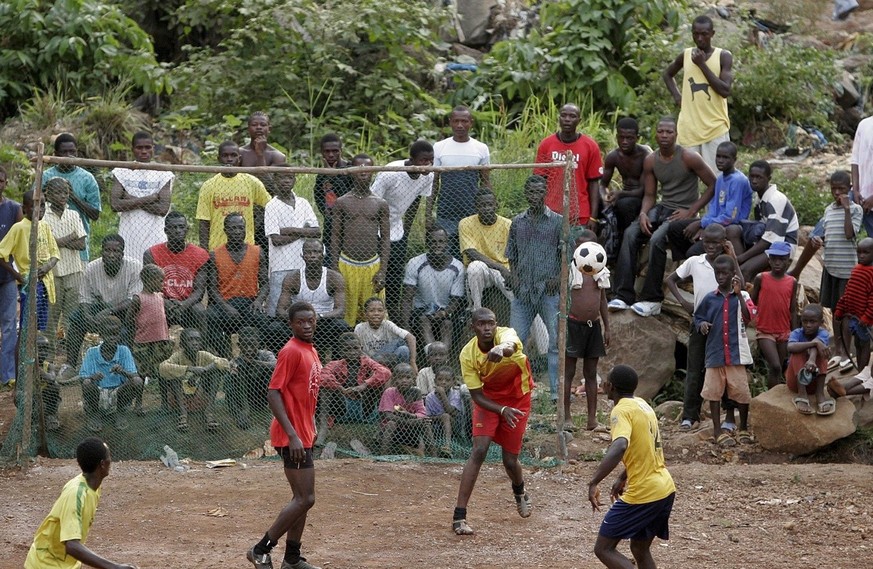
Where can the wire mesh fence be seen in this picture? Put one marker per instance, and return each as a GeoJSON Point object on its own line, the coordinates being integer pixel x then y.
{"type": "Point", "coordinates": [167, 292]}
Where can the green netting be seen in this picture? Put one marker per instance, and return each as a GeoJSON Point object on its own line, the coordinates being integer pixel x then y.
{"type": "Point", "coordinates": [228, 415]}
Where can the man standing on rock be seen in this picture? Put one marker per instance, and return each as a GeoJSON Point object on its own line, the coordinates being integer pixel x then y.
{"type": "Point", "coordinates": [707, 78]}
{"type": "Point", "coordinates": [862, 172]}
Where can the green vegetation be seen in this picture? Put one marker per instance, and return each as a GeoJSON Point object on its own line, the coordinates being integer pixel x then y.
{"type": "Point", "coordinates": [84, 44]}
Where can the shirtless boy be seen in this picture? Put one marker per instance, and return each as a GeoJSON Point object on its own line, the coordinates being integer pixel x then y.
{"type": "Point", "coordinates": [360, 245]}
{"type": "Point", "coordinates": [585, 339]}
{"type": "Point", "coordinates": [628, 160]}
{"type": "Point", "coordinates": [257, 152]}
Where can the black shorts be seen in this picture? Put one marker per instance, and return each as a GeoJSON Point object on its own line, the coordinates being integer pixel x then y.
{"type": "Point", "coordinates": [639, 522]}
{"type": "Point", "coordinates": [832, 288]}
{"type": "Point", "coordinates": [583, 340]}
{"type": "Point", "coordinates": [285, 453]}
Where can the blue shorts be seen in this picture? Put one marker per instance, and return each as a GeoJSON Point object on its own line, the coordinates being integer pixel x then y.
{"type": "Point", "coordinates": [860, 331]}
{"type": "Point", "coordinates": [638, 522]}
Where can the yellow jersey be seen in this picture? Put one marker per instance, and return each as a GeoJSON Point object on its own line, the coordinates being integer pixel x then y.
{"type": "Point", "coordinates": [508, 380]}
{"type": "Point", "coordinates": [647, 477]}
{"type": "Point", "coordinates": [69, 519]}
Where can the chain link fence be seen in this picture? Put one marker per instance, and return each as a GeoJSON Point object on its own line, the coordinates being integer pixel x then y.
{"type": "Point", "coordinates": [160, 322]}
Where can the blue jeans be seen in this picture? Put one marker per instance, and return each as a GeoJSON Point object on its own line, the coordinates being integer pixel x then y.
{"type": "Point", "coordinates": [521, 317]}
{"type": "Point", "coordinates": [397, 348]}
{"type": "Point", "coordinates": [8, 306]}
{"type": "Point", "coordinates": [626, 267]}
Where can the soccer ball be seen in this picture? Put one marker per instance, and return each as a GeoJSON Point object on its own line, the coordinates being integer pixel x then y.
{"type": "Point", "coordinates": [590, 258]}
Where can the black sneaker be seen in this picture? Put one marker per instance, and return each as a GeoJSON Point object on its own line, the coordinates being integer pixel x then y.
{"type": "Point", "coordinates": [301, 564]}
{"type": "Point", "coordinates": [259, 560]}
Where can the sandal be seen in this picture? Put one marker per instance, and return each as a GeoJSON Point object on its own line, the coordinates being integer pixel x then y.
{"type": "Point", "coordinates": [725, 440]}
{"type": "Point", "coordinates": [834, 363]}
{"type": "Point", "coordinates": [687, 425]}
{"type": "Point", "coordinates": [460, 527]}
{"type": "Point", "coordinates": [745, 438]}
{"type": "Point", "coordinates": [827, 407]}
{"type": "Point", "coordinates": [802, 406]}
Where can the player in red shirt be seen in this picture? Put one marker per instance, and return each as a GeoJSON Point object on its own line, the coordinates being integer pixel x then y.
{"type": "Point", "coordinates": [292, 397]}
{"type": "Point", "coordinates": [587, 166]}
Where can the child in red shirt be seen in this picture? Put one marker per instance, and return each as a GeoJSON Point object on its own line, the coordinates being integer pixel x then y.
{"type": "Point", "coordinates": [775, 295]}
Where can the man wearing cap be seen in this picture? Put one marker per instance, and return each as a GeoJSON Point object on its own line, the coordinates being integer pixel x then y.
{"type": "Point", "coordinates": [775, 221]}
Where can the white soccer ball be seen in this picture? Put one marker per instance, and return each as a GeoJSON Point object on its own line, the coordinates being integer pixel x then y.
{"type": "Point", "coordinates": [590, 258]}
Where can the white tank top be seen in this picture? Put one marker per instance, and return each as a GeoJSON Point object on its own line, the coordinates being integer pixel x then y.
{"type": "Point", "coordinates": [318, 298]}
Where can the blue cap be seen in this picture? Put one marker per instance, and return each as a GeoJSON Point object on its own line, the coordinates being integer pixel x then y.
{"type": "Point", "coordinates": [780, 248]}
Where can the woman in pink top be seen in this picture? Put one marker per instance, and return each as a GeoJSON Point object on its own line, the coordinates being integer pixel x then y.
{"type": "Point", "coordinates": [151, 340]}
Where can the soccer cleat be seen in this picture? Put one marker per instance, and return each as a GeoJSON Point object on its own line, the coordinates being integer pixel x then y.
{"type": "Point", "coordinates": [646, 308]}
{"type": "Point", "coordinates": [301, 564]}
{"type": "Point", "coordinates": [259, 560]}
{"type": "Point", "coordinates": [523, 505]}
{"type": "Point", "coordinates": [617, 304]}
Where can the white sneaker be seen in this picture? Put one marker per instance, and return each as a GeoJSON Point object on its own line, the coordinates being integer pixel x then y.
{"type": "Point", "coordinates": [617, 304]}
{"type": "Point", "coordinates": [646, 308]}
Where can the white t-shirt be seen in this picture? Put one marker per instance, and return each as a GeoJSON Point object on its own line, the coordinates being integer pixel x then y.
{"type": "Point", "coordinates": [702, 275]}
{"type": "Point", "coordinates": [278, 215]}
{"type": "Point", "coordinates": [400, 191]}
{"type": "Point", "coordinates": [862, 151]}
{"type": "Point", "coordinates": [140, 229]}
{"type": "Point", "coordinates": [458, 190]}
{"type": "Point", "coordinates": [373, 341]}
{"type": "Point", "coordinates": [434, 288]}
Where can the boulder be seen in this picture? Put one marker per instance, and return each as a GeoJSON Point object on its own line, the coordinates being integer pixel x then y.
{"type": "Point", "coordinates": [670, 409]}
{"type": "Point", "coordinates": [646, 344]}
{"type": "Point", "coordinates": [863, 411]}
{"type": "Point", "coordinates": [779, 427]}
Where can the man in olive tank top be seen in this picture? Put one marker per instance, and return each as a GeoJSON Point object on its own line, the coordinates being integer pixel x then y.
{"type": "Point", "coordinates": [678, 171]}
{"type": "Point", "coordinates": [706, 85]}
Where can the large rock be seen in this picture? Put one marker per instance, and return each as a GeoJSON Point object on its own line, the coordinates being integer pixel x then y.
{"type": "Point", "coordinates": [780, 428]}
{"type": "Point", "coordinates": [646, 344]}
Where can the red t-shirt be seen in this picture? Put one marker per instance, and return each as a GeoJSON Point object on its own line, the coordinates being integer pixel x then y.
{"type": "Point", "coordinates": [587, 165]}
{"type": "Point", "coordinates": [179, 268]}
{"type": "Point", "coordinates": [774, 304]}
{"type": "Point", "coordinates": [296, 378]}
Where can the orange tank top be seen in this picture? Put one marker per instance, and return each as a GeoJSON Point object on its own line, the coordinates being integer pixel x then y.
{"type": "Point", "coordinates": [237, 280]}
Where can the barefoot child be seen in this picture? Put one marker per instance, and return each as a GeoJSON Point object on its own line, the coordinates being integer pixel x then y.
{"type": "Point", "coordinates": [808, 364]}
{"type": "Point", "coordinates": [587, 338]}
{"type": "Point", "coordinates": [404, 418]}
{"type": "Point", "coordinates": [775, 295]}
{"type": "Point", "coordinates": [151, 340]}
{"type": "Point", "coordinates": [446, 404]}
{"type": "Point", "coordinates": [856, 307]}
{"type": "Point", "coordinates": [360, 245]}
{"type": "Point", "coordinates": [383, 340]}
{"type": "Point", "coordinates": [60, 539]}
{"type": "Point", "coordinates": [721, 316]}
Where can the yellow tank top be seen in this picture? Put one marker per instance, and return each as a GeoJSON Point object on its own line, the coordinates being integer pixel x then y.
{"type": "Point", "coordinates": [704, 113]}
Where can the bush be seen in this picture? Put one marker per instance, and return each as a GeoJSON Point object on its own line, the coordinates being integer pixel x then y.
{"type": "Point", "coordinates": [362, 68]}
{"type": "Point", "coordinates": [86, 45]}
{"type": "Point", "coordinates": [808, 195]}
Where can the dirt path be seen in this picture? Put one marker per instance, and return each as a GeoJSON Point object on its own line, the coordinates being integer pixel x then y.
{"type": "Point", "coordinates": [397, 515]}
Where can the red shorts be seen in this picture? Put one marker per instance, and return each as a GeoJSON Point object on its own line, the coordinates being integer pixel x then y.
{"type": "Point", "coordinates": [489, 424]}
{"type": "Point", "coordinates": [796, 362]}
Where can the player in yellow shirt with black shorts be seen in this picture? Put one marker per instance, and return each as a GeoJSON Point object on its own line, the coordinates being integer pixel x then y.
{"type": "Point", "coordinates": [643, 494]}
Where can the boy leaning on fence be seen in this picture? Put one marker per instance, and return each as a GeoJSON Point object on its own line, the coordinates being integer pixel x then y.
{"type": "Point", "coordinates": [15, 246]}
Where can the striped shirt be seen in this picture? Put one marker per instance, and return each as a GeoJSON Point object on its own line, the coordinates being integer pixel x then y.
{"type": "Point", "coordinates": [726, 342]}
{"type": "Point", "coordinates": [857, 300]}
{"type": "Point", "coordinates": [779, 217]}
{"type": "Point", "coordinates": [839, 253]}
{"type": "Point", "coordinates": [68, 223]}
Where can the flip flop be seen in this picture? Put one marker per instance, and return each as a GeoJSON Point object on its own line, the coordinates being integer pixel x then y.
{"type": "Point", "coordinates": [802, 406]}
{"type": "Point", "coordinates": [745, 438]}
{"type": "Point", "coordinates": [687, 425]}
{"type": "Point", "coordinates": [827, 407]}
{"type": "Point", "coordinates": [598, 429]}
{"type": "Point", "coordinates": [834, 363]}
{"type": "Point", "coordinates": [846, 365]}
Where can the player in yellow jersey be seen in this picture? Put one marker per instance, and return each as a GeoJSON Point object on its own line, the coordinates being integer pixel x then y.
{"type": "Point", "coordinates": [59, 542]}
{"type": "Point", "coordinates": [500, 381]}
{"type": "Point", "coordinates": [643, 494]}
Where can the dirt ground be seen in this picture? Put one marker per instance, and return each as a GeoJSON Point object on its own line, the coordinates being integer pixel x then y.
{"type": "Point", "coordinates": [734, 509]}
{"type": "Point", "coordinates": [370, 514]}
